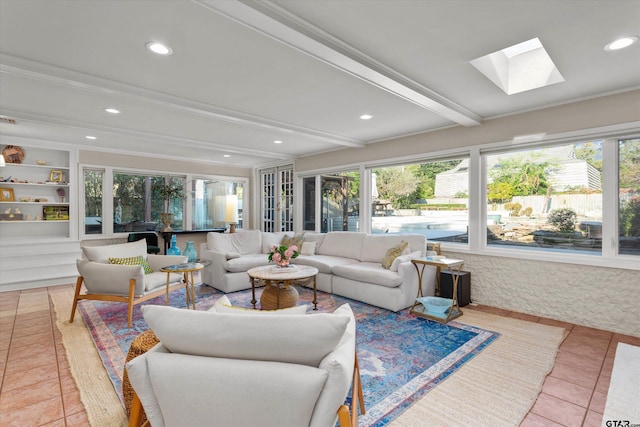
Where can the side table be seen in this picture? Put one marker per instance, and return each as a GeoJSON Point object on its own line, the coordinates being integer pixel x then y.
{"type": "Point", "coordinates": [453, 265]}
{"type": "Point", "coordinates": [187, 269]}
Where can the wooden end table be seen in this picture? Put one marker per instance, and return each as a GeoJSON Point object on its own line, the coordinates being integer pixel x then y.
{"type": "Point", "coordinates": [274, 276]}
{"type": "Point", "coordinates": [455, 266]}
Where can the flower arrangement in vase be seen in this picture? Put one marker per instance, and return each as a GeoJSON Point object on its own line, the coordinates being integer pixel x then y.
{"type": "Point", "coordinates": [281, 254]}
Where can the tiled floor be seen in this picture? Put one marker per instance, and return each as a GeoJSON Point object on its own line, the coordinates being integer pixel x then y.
{"type": "Point", "coordinates": [38, 390]}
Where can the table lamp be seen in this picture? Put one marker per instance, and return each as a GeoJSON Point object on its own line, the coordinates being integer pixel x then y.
{"type": "Point", "coordinates": [231, 211]}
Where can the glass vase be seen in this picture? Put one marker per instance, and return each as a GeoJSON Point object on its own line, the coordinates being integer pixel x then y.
{"type": "Point", "coordinates": [190, 252]}
{"type": "Point", "coordinates": [173, 249]}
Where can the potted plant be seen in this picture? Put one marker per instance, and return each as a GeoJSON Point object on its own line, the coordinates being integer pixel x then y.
{"type": "Point", "coordinates": [169, 190]}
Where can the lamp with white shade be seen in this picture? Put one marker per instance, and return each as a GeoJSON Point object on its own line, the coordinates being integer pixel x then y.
{"type": "Point", "coordinates": [231, 211]}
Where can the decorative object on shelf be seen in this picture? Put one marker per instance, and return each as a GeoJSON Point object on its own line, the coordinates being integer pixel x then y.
{"type": "Point", "coordinates": [61, 194]}
{"type": "Point", "coordinates": [16, 215]}
{"type": "Point", "coordinates": [173, 249]}
{"type": "Point", "coordinates": [55, 213]}
{"type": "Point", "coordinates": [13, 154]}
{"type": "Point", "coordinates": [41, 162]}
{"type": "Point", "coordinates": [56, 176]}
{"type": "Point", "coordinates": [6, 195]}
{"type": "Point", "coordinates": [190, 251]}
{"type": "Point", "coordinates": [282, 254]}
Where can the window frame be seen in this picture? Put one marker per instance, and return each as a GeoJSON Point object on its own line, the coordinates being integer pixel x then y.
{"type": "Point", "coordinates": [477, 245]}
{"type": "Point", "coordinates": [107, 198]}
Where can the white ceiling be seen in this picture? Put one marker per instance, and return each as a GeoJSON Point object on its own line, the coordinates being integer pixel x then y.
{"type": "Point", "coordinates": [246, 73]}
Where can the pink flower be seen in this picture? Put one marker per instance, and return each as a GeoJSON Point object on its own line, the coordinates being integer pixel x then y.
{"type": "Point", "coordinates": [276, 257]}
{"type": "Point", "coordinates": [293, 248]}
{"type": "Point", "coordinates": [288, 253]}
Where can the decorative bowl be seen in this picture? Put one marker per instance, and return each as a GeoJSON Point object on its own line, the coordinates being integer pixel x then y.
{"type": "Point", "coordinates": [436, 305]}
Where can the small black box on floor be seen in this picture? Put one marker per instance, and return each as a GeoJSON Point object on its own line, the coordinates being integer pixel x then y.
{"type": "Point", "coordinates": [464, 286]}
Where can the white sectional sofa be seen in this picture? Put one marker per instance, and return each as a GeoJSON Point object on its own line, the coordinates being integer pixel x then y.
{"type": "Point", "coordinates": [349, 264]}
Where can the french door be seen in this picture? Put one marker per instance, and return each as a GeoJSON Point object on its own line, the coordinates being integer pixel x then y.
{"type": "Point", "coordinates": [277, 198]}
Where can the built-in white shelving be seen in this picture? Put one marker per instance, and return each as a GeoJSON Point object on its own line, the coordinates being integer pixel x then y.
{"type": "Point", "coordinates": [38, 219]}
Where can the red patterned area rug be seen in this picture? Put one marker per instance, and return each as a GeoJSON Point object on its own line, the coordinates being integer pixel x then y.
{"type": "Point", "coordinates": [402, 357]}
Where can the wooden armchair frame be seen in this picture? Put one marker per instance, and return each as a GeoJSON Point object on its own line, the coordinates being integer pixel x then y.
{"type": "Point", "coordinates": [131, 299]}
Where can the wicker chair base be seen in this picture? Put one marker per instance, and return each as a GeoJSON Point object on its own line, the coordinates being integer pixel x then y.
{"type": "Point", "coordinates": [140, 345]}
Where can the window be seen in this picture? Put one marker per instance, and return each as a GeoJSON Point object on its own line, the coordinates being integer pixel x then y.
{"type": "Point", "coordinates": [546, 197]}
{"type": "Point", "coordinates": [339, 202]}
{"type": "Point", "coordinates": [429, 198]}
{"type": "Point", "coordinates": [629, 196]}
{"type": "Point", "coordinates": [138, 201]}
{"type": "Point", "coordinates": [93, 181]}
{"type": "Point", "coordinates": [124, 201]}
{"type": "Point", "coordinates": [216, 203]}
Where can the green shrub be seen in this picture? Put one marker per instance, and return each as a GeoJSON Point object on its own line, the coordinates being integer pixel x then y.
{"type": "Point", "coordinates": [527, 212]}
{"type": "Point", "coordinates": [563, 219]}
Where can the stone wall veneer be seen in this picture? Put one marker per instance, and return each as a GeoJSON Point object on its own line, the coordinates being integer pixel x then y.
{"type": "Point", "coordinates": [598, 297]}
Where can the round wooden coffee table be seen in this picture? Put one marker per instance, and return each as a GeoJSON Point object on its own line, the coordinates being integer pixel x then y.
{"type": "Point", "coordinates": [281, 280]}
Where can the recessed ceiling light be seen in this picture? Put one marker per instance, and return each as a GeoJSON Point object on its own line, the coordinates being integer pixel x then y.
{"type": "Point", "coordinates": [277, 141]}
{"type": "Point", "coordinates": [621, 43]}
{"type": "Point", "coordinates": [226, 155]}
{"type": "Point", "coordinates": [112, 111]}
{"type": "Point", "coordinates": [366, 116]}
{"type": "Point", "coordinates": [159, 48]}
{"type": "Point", "coordinates": [90, 137]}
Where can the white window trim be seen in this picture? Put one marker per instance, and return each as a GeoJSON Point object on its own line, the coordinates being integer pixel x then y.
{"type": "Point", "coordinates": [107, 194]}
{"type": "Point", "coordinates": [477, 210]}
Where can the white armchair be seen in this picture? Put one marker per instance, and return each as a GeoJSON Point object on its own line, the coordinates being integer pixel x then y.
{"type": "Point", "coordinates": [124, 283]}
{"type": "Point", "coordinates": [246, 369]}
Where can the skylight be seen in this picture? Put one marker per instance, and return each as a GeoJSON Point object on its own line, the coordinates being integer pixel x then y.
{"type": "Point", "coordinates": [520, 67]}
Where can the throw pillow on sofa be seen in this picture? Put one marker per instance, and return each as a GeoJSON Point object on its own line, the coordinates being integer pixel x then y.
{"type": "Point", "coordinates": [134, 260]}
{"type": "Point", "coordinates": [404, 258]}
{"type": "Point", "coordinates": [308, 248]}
{"type": "Point", "coordinates": [393, 253]}
{"type": "Point", "coordinates": [297, 240]}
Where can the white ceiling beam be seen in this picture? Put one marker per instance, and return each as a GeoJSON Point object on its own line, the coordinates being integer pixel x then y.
{"type": "Point", "coordinates": [282, 26]}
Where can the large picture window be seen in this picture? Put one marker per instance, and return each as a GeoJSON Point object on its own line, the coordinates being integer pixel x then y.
{"type": "Point", "coordinates": [429, 198]}
{"type": "Point", "coordinates": [123, 201]}
{"type": "Point", "coordinates": [139, 201]}
{"type": "Point", "coordinates": [216, 204]}
{"type": "Point", "coordinates": [548, 197]}
{"type": "Point", "coordinates": [629, 196]}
